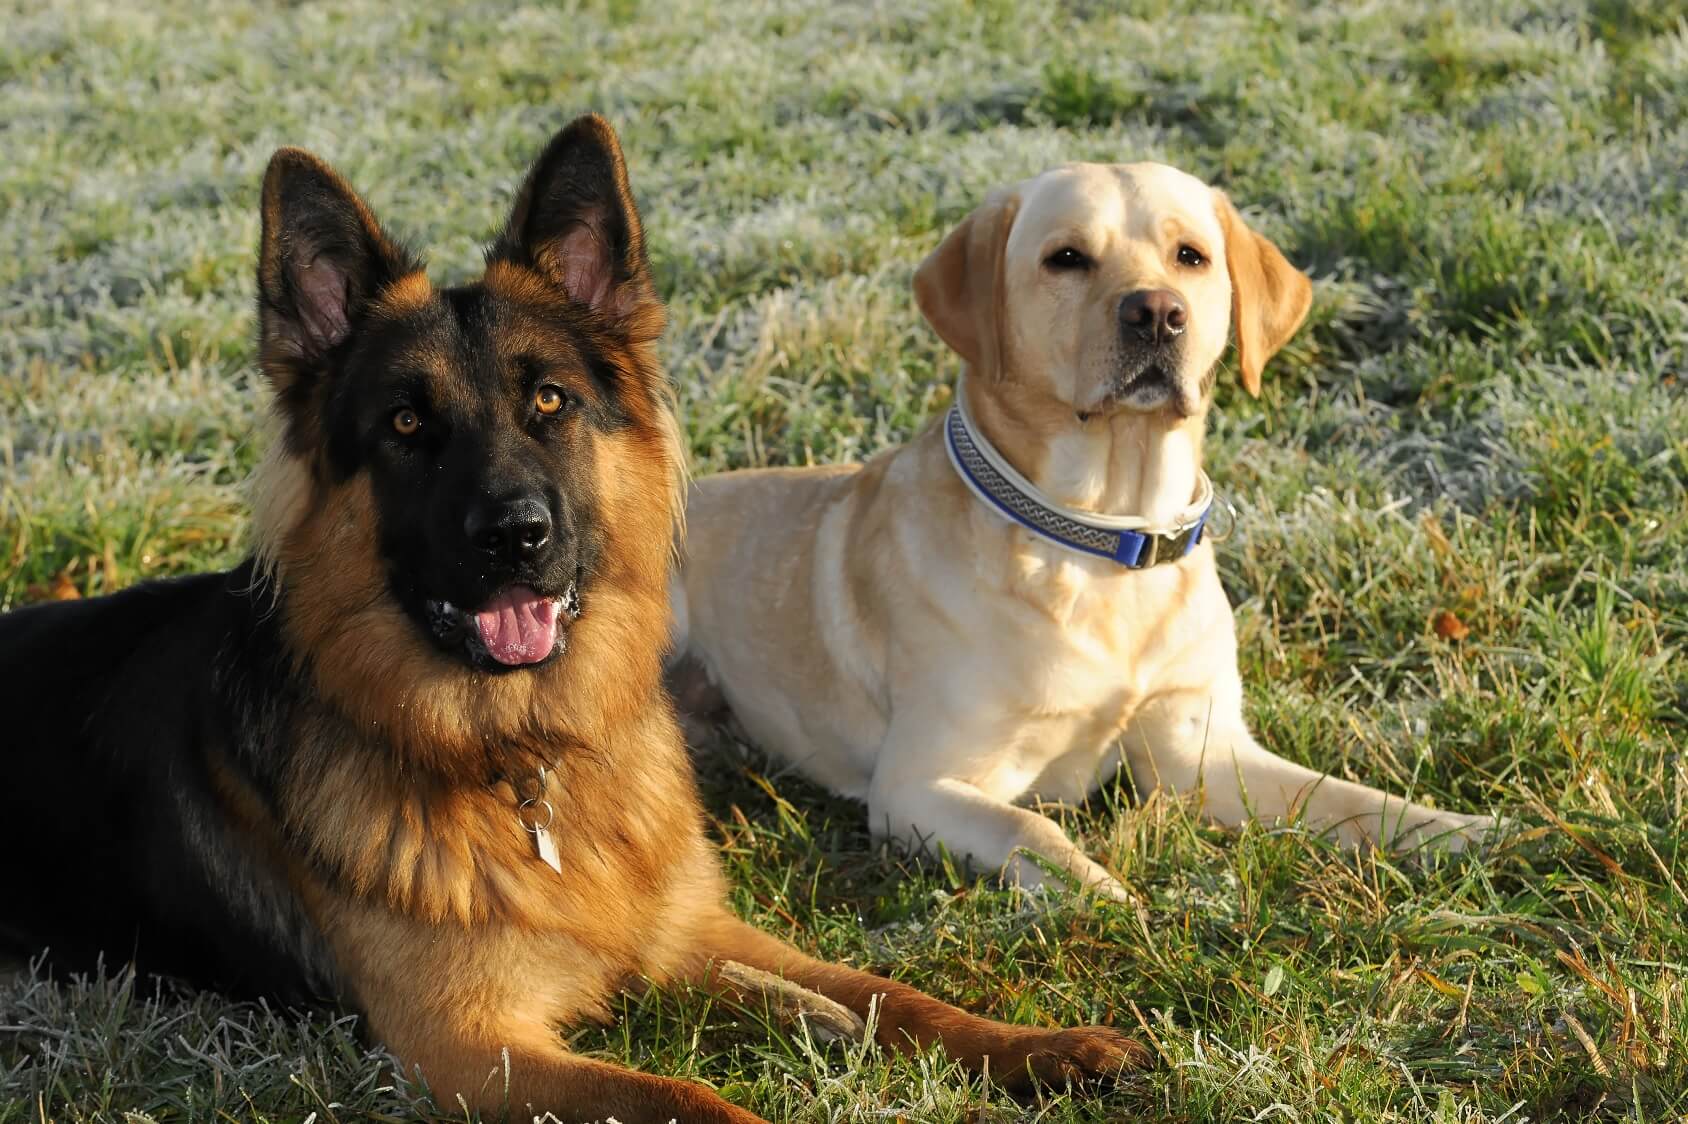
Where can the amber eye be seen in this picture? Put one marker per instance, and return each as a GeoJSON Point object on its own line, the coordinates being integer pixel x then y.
{"type": "Point", "coordinates": [406, 422]}
{"type": "Point", "coordinates": [548, 400]}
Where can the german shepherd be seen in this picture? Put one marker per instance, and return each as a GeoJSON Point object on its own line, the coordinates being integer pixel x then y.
{"type": "Point", "coordinates": [414, 756]}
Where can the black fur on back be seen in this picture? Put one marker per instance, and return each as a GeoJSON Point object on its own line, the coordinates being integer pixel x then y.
{"type": "Point", "coordinates": [116, 843]}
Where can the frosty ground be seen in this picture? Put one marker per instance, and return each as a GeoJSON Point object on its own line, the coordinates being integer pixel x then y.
{"type": "Point", "coordinates": [1458, 569]}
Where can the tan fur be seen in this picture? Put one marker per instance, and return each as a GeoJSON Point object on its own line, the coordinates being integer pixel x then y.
{"type": "Point", "coordinates": [280, 492]}
{"type": "Point", "coordinates": [898, 640]}
{"type": "Point", "coordinates": [962, 287]}
{"type": "Point", "coordinates": [406, 295]}
{"type": "Point", "coordinates": [1269, 297]}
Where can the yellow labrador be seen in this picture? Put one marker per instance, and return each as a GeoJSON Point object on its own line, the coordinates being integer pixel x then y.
{"type": "Point", "coordinates": [1021, 599]}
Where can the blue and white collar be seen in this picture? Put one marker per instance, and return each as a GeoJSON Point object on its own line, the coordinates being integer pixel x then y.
{"type": "Point", "coordinates": [1133, 542]}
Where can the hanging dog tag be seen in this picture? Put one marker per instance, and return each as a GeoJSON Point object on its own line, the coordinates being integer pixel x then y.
{"type": "Point", "coordinates": [535, 817]}
{"type": "Point", "coordinates": [546, 847]}
{"type": "Point", "coordinates": [536, 814]}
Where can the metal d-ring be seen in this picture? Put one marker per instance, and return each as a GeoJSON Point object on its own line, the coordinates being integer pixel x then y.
{"type": "Point", "coordinates": [1215, 535]}
{"type": "Point", "coordinates": [536, 828]}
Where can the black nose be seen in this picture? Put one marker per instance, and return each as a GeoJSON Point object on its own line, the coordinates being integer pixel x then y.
{"type": "Point", "coordinates": [1154, 315]}
{"type": "Point", "coordinates": [515, 529]}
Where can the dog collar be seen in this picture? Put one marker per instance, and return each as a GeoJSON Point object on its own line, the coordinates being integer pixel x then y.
{"type": "Point", "coordinates": [1133, 542]}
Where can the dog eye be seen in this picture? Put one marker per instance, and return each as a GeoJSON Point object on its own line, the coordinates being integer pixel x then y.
{"type": "Point", "coordinates": [1067, 258]}
{"type": "Point", "coordinates": [549, 400]}
{"type": "Point", "coordinates": [406, 422]}
{"type": "Point", "coordinates": [1190, 256]}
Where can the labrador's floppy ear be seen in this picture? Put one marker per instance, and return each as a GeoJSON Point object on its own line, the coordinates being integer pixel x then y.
{"type": "Point", "coordinates": [322, 258]}
{"type": "Point", "coordinates": [575, 223]}
{"type": "Point", "coordinates": [959, 287]}
{"type": "Point", "coordinates": [1269, 296]}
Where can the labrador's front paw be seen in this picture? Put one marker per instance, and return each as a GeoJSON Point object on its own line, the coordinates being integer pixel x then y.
{"type": "Point", "coordinates": [1030, 872]}
{"type": "Point", "coordinates": [1430, 829]}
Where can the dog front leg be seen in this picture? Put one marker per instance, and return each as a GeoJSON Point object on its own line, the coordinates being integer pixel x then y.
{"type": "Point", "coordinates": [1199, 742]}
{"type": "Point", "coordinates": [908, 1019]}
{"type": "Point", "coordinates": [516, 1071]}
{"type": "Point", "coordinates": [968, 822]}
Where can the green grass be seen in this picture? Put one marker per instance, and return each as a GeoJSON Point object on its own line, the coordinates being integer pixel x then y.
{"type": "Point", "coordinates": [1487, 415]}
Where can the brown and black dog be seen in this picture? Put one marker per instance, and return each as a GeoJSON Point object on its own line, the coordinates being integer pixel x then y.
{"type": "Point", "coordinates": [415, 756]}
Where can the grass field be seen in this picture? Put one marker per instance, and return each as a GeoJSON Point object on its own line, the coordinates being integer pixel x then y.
{"type": "Point", "coordinates": [1460, 567]}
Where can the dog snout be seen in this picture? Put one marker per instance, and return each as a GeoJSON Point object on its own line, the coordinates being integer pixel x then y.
{"type": "Point", "coordinates": [513, 529]}
{"type": "Point", "coordinates": [1153, 315]}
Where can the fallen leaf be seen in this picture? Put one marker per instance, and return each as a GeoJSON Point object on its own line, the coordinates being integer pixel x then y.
{"type": "Point", "coordinates": [1450, 627]}
{"type": "Point", "coordinates": [61, 588]}
{"type": "Point", "coordinates": [1440, 984]}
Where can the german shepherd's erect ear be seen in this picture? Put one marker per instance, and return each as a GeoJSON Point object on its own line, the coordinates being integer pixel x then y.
{"type": "Point", "coordinates": [574, 223]}
{"type": "Point", "coordinates": [322, 260]}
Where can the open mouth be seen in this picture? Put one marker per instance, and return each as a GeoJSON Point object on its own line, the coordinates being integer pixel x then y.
{"type": "Point", "coordinates": [517, 628]}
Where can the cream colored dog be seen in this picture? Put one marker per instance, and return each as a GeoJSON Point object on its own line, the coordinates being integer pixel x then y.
{"type": "Point", "coordinates": [1019, 601]}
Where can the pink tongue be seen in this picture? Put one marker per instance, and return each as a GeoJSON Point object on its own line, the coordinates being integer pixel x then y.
{"type": "Point", "coordinates": [518, 626]}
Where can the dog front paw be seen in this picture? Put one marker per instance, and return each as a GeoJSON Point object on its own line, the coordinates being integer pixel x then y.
{"type": "Point", "coordinates": [1030, 872]}
{"type": "Point", "coordinates": [1076, 1056]}
{"type": "Point", "coordinates": [1448, 832]}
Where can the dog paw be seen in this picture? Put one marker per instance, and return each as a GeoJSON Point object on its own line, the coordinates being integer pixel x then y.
{"type": "Point", "coordinates": [1426, 832]}
{"type": "Point", "coordinates": [1450, 833]}
{"type": "Point", "coordinates": [1030, 873]}
{"type": "Point", "coordinates": [1076, 1056]}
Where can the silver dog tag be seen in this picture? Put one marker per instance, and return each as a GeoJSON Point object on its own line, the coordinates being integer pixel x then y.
{"type": "Point", "coordinates": [546, 847]}
{"type": "Point", "coordinates": [535, 813]}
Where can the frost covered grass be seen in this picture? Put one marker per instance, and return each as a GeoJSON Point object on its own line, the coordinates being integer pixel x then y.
{"type": "Point", "coordinates": [1459, 569]}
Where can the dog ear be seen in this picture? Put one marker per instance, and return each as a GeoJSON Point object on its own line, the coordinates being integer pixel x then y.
{"type": "Point", "coordinates": [959, 287]}
{"type": "Point", "coordinates": [322, 258]}
{"type": "Point", "coordinates": [575, 223]}
{"type": "Point", "coordinates": [1269, 296]}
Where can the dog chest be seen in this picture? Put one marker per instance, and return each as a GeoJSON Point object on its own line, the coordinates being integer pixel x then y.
{"type": "Point", "coordinates": [1080, 679]}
